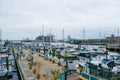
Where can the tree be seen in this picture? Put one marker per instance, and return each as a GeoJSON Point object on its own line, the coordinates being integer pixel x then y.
{"type": "Point", "coordinates": [6, 43]}
{"type": "Point", "coordinates": [56, 74]}
{"type": "Point", "coordinates": [50, 53]}
{"type": "Point", "coordinates": [65, 56]}
{"type": "Point", "coordinates": [66, 59]}
{"type": "Point", "coordinates": [106, 53]}
{"type": "Point", "coordinates": [53, 54]}
{"type": "Point", "coordinates": [59, 57]}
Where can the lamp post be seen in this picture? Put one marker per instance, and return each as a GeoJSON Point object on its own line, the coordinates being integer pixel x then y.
{"type": "Point", "coordinates": [66, 66]}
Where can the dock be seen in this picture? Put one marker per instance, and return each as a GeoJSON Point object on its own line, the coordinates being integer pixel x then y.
{"type": "Point", "coordinates": [23, 69]}
{"type": "Point", "coordinates": [45, 70]}
{"type": "Point", "coordinates": [113, 48]}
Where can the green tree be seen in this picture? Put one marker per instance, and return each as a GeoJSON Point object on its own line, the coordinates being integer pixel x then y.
{"type": "Point", "coordinates": [6, 43]}
{"type": "Point", "coordinates": [106, 53]}
{"type": "Point", "coordinates": [59, 55]}
{"type": "Point", "coordinates": [56, 74]}
{"type": "Point", "coordinates": [50, 53]}
{"type": "Point", "coordinates": [65, 56]}
{"type": "Point", "coordinates": [53, 54]}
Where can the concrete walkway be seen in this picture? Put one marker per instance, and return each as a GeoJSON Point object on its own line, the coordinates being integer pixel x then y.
{"type": "Point", "coordinates": [46, 66]}
{"type": "Point", "coordinates": [28, 75]}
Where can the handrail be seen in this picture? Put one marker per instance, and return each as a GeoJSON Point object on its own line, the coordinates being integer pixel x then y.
{"type": "Point", "coordinates": [18, 66]}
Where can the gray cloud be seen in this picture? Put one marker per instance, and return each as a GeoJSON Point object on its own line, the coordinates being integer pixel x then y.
{"type": "Point", "coordinates": [25, 17]}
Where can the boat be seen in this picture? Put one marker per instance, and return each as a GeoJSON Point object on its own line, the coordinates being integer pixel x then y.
{"type": "Point", "coordinates": [10, 72]}
{"type": "Point", "coordinates": [3, 63]}
{"type": "Point", "coordinates": [84, 54]}
{"type": "Point", "coordinates": [3, 71]}
{"type": "Point", "coordinates": [115, 58]}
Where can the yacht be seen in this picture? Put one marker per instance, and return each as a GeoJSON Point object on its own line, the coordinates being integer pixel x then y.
{"type": "Point", "coordinates": [3, 68]}
{"type": "Point", "coordinates": [115, 58]}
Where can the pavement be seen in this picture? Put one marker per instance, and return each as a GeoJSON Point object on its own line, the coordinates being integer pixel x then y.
{"type": "Point", "coordinates": [45, 66]}
{"type": "Point", "coordinates": [44, 69]}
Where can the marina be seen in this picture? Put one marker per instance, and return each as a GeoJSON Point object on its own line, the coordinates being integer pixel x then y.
{"type": "Point", "coordinates": [72, 63]}
{"type": "Point", "coordinates": [30, 61]}
{"type": "Point", "coordinates": [59, 40]}
{"type": "Point", "coordinates": [8, 69]}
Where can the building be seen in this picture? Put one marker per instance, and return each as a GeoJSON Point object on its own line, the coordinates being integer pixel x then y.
{"type": "Point", "coordinates": [48, 38]}
{"type": "Point", "coordinates": [68, 38]}
{"type": "Point", "coordinates": [113, 39]}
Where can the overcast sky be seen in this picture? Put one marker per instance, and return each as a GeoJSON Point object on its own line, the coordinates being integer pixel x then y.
{"type": "Point", "coordinates": [24, 18]}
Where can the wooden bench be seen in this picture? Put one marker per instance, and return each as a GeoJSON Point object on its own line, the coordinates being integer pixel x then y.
{"type": "Point", "coordinates": [81, 78]}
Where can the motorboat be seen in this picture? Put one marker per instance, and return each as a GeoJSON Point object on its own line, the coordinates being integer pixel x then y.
{"type": "Point", "coordinates": [3, 71]}
{"type": "Point", "coordinates": [3, 65]}
{"type": "Point", "coordinates": [115, 58]}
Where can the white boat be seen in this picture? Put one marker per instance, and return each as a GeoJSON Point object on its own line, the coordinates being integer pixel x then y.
{"type": "Point", "coordinates": [3, 68]}
{"type": "Point", "coordinates": [115, 58]}
{"type": "Point", "coordinates": [3, 71]}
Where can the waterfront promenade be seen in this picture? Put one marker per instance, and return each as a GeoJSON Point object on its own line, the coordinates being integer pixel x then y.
{"type": "Point", "coordinates": [24, 69]}
{"type": "Point", "coordinates": [45, 68]}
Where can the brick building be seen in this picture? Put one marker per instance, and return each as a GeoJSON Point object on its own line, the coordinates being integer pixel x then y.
{"type": "Point", "coordinates": [47, 38]}
{"type": "Point", "coordinates": [113, 39]}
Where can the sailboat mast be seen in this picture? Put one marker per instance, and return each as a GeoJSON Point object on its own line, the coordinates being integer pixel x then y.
{"type": "Point", "coordinates": [50, 35]}
{"type": "Point", "coordinates": [118, 32]}
{"type": "Point", "coordinates": [63, 35]}
{"type": "Point", "coordinates": [63, 38]}
{"type": "Point", "coordinates": [50, 39]}
{"type": "Point", "coordinates": [43, 34]}
{"type": "Point", "coordinates": [0, 36]}
{"type": "Point", "coordinates": [83, 36]}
